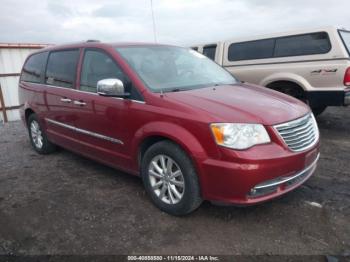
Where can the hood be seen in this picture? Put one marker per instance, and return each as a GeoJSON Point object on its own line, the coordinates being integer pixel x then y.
{"type": "Point", "coordinates": [242, 103]}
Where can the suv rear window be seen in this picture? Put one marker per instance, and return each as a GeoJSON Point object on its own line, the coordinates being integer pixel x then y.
{"type": "Point", "coordinates": [209, 51]}
{"type": "Point", "coordinates": [33, 69]}
{"type": "Point", "coordinates": [345, 35]}
{"type": "Point", "coordinates": [61, 68]}
{"type": "Point", "coordinates": [297, 45]}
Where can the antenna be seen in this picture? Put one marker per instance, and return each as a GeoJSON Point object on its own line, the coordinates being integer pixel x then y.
{"type": "Point", "coordinates": [154, 23]}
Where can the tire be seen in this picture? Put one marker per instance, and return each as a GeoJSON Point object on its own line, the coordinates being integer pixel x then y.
{"type": "Point", "coordinates": [290, 89]}
{"type": "Point", "coordinates": [182, 172]}
{"type": "Point", "coordinates": [318, 110]}
{"type": "Point", "coordinates": [37, 136]}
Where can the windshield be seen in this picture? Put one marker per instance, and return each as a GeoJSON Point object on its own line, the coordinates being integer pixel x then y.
{"type": "Point", "coordinates": [345, 35]}
{"type": "Point", "coordinates": [165, 68]}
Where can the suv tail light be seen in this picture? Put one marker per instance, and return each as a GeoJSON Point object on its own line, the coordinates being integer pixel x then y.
{"type": "Point", "coordinates": [347, 77]}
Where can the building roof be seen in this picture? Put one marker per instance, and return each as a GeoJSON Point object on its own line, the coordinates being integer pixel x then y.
{"type": "Point", "coordinates": [23, 45]}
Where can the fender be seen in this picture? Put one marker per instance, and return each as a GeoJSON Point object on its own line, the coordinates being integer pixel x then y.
{"type": "Point", "coordinates": [290, 77]}
{"type": "Point", "coordinates": [171, 131]}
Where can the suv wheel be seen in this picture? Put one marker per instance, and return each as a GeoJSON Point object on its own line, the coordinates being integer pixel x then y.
{"type": "Point", "coordinates": [38, 137]}
{"type": "Point", "coordinates": [170, 179]}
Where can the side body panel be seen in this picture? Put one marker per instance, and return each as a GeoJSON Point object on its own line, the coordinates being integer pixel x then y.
{"type": "Point", "coordinates": [323, 72]}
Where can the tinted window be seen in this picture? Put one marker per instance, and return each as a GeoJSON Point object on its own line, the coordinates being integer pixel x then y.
{"type": "Point", "coordinates": [251, 50]}
{"type": "Point", "coordinates": [209, 51]}
{"type": "Point", "coordinates": [33, 69]}
{"type": "Point", "coordinates": [317, 43]}
{"type": "Point", "coordinates": [98, 66]}
{"type": "Point", "coordinates": [194, 48]}
{"type": "Point", "coordinates": [61, 68]}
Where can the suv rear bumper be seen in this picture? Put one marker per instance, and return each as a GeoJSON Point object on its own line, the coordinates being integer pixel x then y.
{"type": "Point", "coordinates": [347, 97]}
{"type": "Point", "coordinates": [328, 98]}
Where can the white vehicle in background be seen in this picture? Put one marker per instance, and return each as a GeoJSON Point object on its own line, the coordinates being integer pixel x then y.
{"type": "Point", "coordinates": [312, 65]}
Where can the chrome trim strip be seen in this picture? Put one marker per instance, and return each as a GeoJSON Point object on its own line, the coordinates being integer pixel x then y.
{"type": "Point", "coordinates": [291, 177]}
{"type": "Point", "coordinates": [293, 122]}
{"type": "Point", "coordinates": [85, 132]}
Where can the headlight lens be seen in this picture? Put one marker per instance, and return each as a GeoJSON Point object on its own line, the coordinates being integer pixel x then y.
{"type": "Point", "coordinates": [239, 136]}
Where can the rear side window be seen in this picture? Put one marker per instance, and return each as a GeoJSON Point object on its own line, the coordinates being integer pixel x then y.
{"type": "Point", "coordinates": [251, 50]}
{"type": "Point", "coordinates": [209, 51]}
{"type": "Point", "coordinates": [310, 44]}
{"type": "Point", "coordinates": [61, 68]}
{"type": "Point", "coordinates": [33, 70]}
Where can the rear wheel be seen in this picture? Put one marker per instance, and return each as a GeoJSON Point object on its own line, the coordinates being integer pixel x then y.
{"type": "Point", "coordinates": [318, 110]}
{"type": "Point", "coordinates": [296, 91]}
{"type": "Point", "coordinates": [289, 88]}
{"type": "Point", "coordinates": [170, 179]}
{"type": "Point", "coordinates": [38, 137]}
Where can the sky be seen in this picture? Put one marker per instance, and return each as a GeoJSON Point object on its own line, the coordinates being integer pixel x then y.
{"type": "Point", "coordinates": [180, 22]}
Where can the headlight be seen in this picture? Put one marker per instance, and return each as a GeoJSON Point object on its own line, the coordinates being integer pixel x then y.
{"type": "Point", "coordinates": [239, 136]}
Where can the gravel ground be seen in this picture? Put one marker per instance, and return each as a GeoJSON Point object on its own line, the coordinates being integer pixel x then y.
{"type": "Point", "coordinates": [66, 204]}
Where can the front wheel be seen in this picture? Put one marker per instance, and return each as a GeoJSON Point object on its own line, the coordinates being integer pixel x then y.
{"type": "Point", "coordinates": [170, 179]}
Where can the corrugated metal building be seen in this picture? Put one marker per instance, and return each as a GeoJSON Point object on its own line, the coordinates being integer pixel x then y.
{"type": "Point", "coordinates": [12, 57]}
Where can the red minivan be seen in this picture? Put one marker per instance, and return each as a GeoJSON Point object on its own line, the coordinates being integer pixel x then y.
{"type": "Point", "coordinates": [170, 115]}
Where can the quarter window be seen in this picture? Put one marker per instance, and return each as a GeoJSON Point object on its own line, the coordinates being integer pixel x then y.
{"type": "Point", "coordinates": [34, 67]}
{"type": "Point", "coordinates": [61, 68]}
{"type": "Point", "coordinates": [209, 51]}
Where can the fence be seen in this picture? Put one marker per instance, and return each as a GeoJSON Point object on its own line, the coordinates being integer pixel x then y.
{"type": "Point", "coordinates": [12, 57]}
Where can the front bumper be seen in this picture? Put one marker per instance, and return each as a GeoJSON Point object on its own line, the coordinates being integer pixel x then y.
{"type": "Point", "coordinates": [269, 173]}
{"type": "Point", "coordinates": [281, 184]}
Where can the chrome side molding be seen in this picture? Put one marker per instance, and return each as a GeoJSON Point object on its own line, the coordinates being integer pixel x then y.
{"type": "Point", "coordinates": [85, 132]}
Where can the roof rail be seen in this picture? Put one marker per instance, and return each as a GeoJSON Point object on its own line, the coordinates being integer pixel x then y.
{"type": "Point", "coordinates": [92, 40]}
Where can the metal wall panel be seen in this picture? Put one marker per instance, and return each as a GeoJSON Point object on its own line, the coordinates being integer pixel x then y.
{"type": "Point", "coordinates": [11, 61]}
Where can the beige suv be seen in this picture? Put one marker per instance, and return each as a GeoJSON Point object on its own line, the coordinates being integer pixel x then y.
{"type": "Point", "coordinates": [312, 65]}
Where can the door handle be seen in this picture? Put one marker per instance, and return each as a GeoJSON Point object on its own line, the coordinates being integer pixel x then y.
{"type": "Point", "coordinates": [66, 100]}
{"type": "Point", "coordinates": [79, 103]}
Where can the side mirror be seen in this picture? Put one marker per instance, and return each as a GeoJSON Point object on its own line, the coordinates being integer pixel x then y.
{"type": "Point", "coordinates": [111, 87]}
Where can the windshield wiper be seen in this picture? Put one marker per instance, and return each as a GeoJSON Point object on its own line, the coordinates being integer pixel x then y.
{"type": "Point", "coordinates": [175, 90]}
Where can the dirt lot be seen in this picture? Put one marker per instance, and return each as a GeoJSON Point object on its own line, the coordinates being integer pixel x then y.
{"type": "Point", "coordinates": [66, 204]}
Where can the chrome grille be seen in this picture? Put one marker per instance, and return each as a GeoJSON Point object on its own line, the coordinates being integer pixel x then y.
{"type": "Point", "coordinates": [299, 134]}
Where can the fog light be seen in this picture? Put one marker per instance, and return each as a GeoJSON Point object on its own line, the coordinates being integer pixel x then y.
{"type": "Point", "coordinates": [258, 192]}
{"type": "Point", "coordinates": [253, 191]}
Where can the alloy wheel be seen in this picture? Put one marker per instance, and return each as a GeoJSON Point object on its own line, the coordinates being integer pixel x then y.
{"type": "Point", "coordinates": [166, 179]}
{"type": "Point", "coordinates": [36, 134]}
